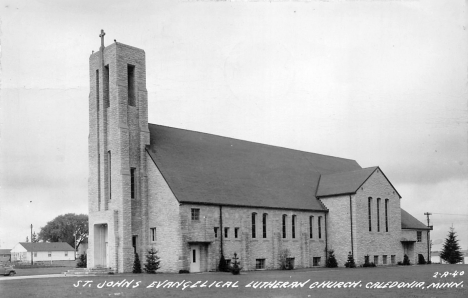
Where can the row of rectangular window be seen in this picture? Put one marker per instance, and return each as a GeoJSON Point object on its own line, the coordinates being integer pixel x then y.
{"type": "Point", "coordinates": [195, 215]}
{"type": "Point", "coordinates": [378, 214]}
{"type": "Point", "coordinates": [384, 259]}
{"type": "Point", "coordinates": [260, 263]}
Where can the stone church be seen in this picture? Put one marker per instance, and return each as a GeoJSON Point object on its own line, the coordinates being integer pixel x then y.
{"type": "Point", "coordinates": [195, 196]}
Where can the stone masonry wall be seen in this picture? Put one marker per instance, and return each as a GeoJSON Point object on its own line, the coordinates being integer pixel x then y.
{"type": "Point", "coordinates": [377, 243]}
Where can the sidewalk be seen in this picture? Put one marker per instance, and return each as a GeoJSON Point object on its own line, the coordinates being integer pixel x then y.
{"type": "Point", "coordinates": [2, 278]}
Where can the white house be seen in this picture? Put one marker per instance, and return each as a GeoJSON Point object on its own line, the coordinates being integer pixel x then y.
{"type": "Point", "coordinates": [42, 251]}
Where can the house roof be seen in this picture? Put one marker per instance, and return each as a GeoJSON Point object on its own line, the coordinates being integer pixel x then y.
{"type": "Point", "coordinates": [410, 222]}
{"type": "Point", "coordinates": [45, 246]}
{"type": "Point", "coordinates": [343, 182]}
{"type": "Point", "coordinates": [209, 169]}
{"type": "Point", "coordinates": [5, 251]}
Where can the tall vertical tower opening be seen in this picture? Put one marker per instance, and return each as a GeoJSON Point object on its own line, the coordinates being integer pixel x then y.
{"type": "Point", "coordinates": [118, 136]}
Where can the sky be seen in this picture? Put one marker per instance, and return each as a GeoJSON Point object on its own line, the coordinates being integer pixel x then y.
{"type": "Point", "coordinates": [380, 82]}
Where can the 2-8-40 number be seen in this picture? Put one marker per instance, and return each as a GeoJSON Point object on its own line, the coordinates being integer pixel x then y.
{"type": "Point", "coordinates": [446, 273]}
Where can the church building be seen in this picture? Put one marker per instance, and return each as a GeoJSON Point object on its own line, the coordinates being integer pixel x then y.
{"type": "Point", "coordinates": [195, 197]}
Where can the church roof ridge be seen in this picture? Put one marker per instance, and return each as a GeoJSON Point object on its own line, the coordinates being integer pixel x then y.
{"type": "Point", "coordinates": [252, 142]}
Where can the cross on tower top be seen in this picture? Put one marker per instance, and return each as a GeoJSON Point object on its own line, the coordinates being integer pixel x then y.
{"type": "Point", "coordinates": [102, 37]}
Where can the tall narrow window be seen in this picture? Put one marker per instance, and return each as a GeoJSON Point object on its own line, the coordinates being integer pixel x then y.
{"type": "Point", "coordinates": [311, 226]}
{"type": "Point", "coordinates": [132, 183]}
{"type": "Point", "coordinates": [134, 243]}
{"type": "Point", "coordinates": [370, 214]}
{"type": "Point", "coordinates": [131, 84]}
{"type": "Point", "coordinates": [320, 227]}
{"type": "Point", "coordinates": [216, 232]}
{"type": "Point", "coordinates": [378, 214]}
{"type": "Point", "coordinates": [106, 86]}
{"type": "Point", "coordinates": [254, 235]}
{"type": "Point", "coordinates": [293, 226]}
{"type": "Point", "coordinates": [226, 232]}
{"type": "Point", "coordinates": [284, 225]}
{"type": "Point", "coordinates": [109, 172]}
{"type": "Point", "coordinates": [386, 215]}
{"type": "Point", "coordinates": [152, 234]}
{"type": "Point", "coordinates": [264, 224]}
{"type": "Point", "coordinates": [236, 232]}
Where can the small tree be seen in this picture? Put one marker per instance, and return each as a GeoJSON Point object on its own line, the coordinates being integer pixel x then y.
{"type": "Point", "coordinates": [451, 250]}
{"type": "Point", "coordinates": [34, 237]}
{"type": "Point", "coordinates": [406, 260]}
{"type": "Point", "coordinates": [350, 263]}
{"type": "Point", "coordinates": [136, 264]}
{"type": "Point", "coordinates": [235, 269]}
{"type": "Point", "coordinates": [331, 262]}
{"type": "Point", "coordinates": [152, 261]}
{"type": "Point", "coordinates": [421, 259]}
{"type": "Point", "coordinates": [283, 259]}
{"type": "Point", "coordinates": [82, 261]}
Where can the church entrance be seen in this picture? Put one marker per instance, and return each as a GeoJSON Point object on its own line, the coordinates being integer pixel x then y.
{"type": "Point", "coordinates": [408, 249]}
{"type": "Point", "coordinates": [101, 247]}
{"type": "Point", "coordinates": [194, 258]}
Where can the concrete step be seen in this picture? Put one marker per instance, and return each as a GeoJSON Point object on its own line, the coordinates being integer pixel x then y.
{"type": "Point", "coordinates": [88, 271]}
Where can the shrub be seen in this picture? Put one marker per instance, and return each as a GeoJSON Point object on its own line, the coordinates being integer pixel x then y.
{"type": "Point", "coordinates": [366, 262]}
{"type": "Point", "coordinates": [222, 265]}
{"type": "Point", "coordinates": [350, 263]}
{"type": "Point", "coordinates": [406, 260]}
{"type": "Point", "coordinates": [283, 259]}
{"type": "Point", "coordinates": [421, 260]}
{"type": "Point", "coordinates": [136, 264]}
{"type": "Point", "coordinates": [82, 261]}
{"type": "Point", "coordinates": [235, 269]}
{"type": "Point", "coordinates": [400, 263]}
{"type": "Point", "coordinates": [183, 271]}
{"type": "Point", "coordinates": [331, 261]}
{"type": "Point", "coordinates": [152, 261]}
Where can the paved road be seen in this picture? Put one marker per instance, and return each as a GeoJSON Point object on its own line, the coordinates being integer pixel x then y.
{"type": "Point", "coordinates": [30, 276]}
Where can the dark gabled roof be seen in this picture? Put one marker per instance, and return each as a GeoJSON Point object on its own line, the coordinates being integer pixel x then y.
{"type": "Point", "coordinates": [45, 246]}
{"type": "Point", "coordinates": [344, 182]}
{"type": "Point", "coordinates": [209, 169]}
{"type": "Point", "coordinates": [5, 251]}
{"type": "Point", "coordinates": [410, 222]}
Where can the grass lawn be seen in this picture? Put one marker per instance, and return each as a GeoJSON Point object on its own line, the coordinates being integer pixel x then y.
{"type": "Point", "coordinates": [101, 286]}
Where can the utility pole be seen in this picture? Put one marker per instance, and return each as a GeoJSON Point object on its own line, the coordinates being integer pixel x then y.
{"type": "Point", "coordinates": [428, 233]}
{"type": "Point", "coordinates": [32, 260]}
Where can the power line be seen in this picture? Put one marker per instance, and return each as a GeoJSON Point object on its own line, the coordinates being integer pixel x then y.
{"type": "Point", "coordinates": [451, 214]}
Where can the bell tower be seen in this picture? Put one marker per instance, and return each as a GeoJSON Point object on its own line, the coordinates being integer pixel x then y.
{"type": "Point", "coordinates": [118, 135]}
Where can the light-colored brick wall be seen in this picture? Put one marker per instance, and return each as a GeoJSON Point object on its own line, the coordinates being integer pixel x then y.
{"type": "Point", "coordinates": [376, 243]}
{"type": "Point", "coordinates": [339, 226]}
{"type": "Point", "coordinates": [248, 249]}
{"type": "Point", "coordinates": [163, 214]}
{"type": "Point", "coordinates": [123, 130]}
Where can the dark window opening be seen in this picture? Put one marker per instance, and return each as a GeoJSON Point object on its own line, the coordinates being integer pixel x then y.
{"type": "Point", "coordinates": [132, 183]}
{"type": "Point", "coordinates": [97, 88]}
{"type": "Point", "coordinates": [236, 232]}
{"type": "Point", "coordinates": [260, 264]}
{"type": "Point", "coordinates": [419, 236]}
{"type": "Point", "coordinates": [370, 214]}
{"type": "Point", "coordinates": [109, 172]}
{"type": "Point", "coordinates": [131, 84]}
{"type": "Point", "coordinates": [216, 232]}
{"type": "Point", "coordinates": [293, 226]}
{"type": "Point", "coordinates": [153, 234]}
{"type": "Point", "coordinates": [264, 225]}
{"type": "Point", "coordinates": [194, 256]}
{"type": "Point", "coordinates": [311, 226]}
{"type": "Point", "coordinates": [386, 215]}
{"type": "Point", "coordinates": [284, 225]}
{"type": "Point", "coordinates": [226, 232]}
{"type": "Point", "coordinates": [316, 261]}
{"type": "Point", "coordinates": [378, 215]}
{"type": "Point", "coordinates": [134, 243]}
{"type": "Point", "coordinates": [253, 225]}
{"type": "Point", "coordinates": [320, 227]}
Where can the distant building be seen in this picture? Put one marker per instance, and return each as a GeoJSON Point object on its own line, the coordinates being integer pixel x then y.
{"type": "Point", "coordinates": [42, 251]}
{"type": "Point", "coordinates": [5, 255]}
